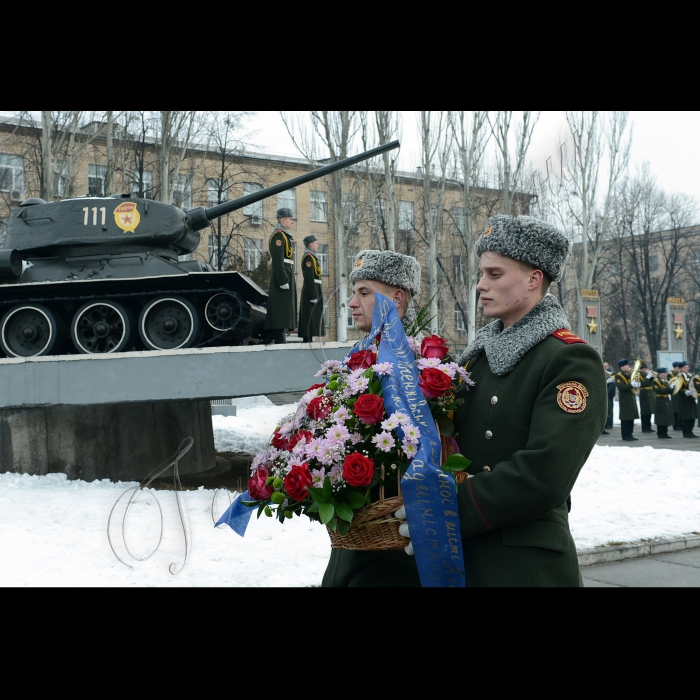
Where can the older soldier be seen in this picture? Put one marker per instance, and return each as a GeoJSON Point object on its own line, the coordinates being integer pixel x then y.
{"type": "Point", "coordinates": [311, 303]}
{"type": "Point", "coordinates": [282, 292]}
{"type": "Point", "coordinates": [647, 398]}
{"type": "Point", "coordinates": [663, 416]}
{"type": "Point", "coordinates": [627, 388]}
{"type": "Point", "coordinates": [687, 409]}
{"type": "Point", "coordinates": [528, 425]}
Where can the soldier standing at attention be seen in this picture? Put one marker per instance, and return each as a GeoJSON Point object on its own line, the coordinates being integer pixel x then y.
{"type": "Point", "coordinates": [687, 410]}
{"type": "Point", "coordinates": [675, 398]}
{"type": "Point", "coordinates": [627, 387]}
{"type": "Point", "coordinates": [647, 398]}
{"type": "Point", "coordinates": [311, 303]}
{"type": "Point", "coordinates": [282, 292]}
{"type": "Point", "coordinates": [610, 383]}
{"type": "Point", "coordinates": [663, 417]}
{"type": "Point", "coordinates": [531, 420]}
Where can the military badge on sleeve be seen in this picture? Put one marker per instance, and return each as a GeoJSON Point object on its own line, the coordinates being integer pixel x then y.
{"type": "Point", "coordinates": [572, 397]}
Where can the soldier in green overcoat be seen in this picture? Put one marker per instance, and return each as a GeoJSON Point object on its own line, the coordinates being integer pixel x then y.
{"type": "Point", "coordinates": [311, 302]}
{"type": "Point", "coordinates": [675, 398]}
{"type": "Point", "coordinates": [282, 292]}
{"type": "Point", "coordinates": [627, 389]}
{"type": "Point", "coordinates": [647, 398]}
{"type": "Point", "coordinates": [663, 416]}
{"type": "Point", "coordinates": [687, 408]}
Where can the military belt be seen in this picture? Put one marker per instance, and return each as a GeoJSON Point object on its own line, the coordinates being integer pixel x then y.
{"type": "Point", "coordinates": [318, 281]}
{"type": "Point", "coordinates": [291, 262]}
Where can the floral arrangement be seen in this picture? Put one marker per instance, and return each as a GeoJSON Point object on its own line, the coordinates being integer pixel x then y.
{"type": "Point", "coordinates": [325, 460]}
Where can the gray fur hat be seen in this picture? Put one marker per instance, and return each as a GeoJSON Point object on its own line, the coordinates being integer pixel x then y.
{"type": "Point", "coordinates": [310, 239]}
{"type": "Point", "coordinates": [389, 267]}
{"type": "Point", "coordinates": [527, 239]}
{"type": "Point", "coordinates": [284, 212]}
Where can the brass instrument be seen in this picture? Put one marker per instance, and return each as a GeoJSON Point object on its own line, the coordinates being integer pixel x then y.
{"type": "Point", "coordinates": [608, 373]}
{"type": "Point", "coordinates": [691, 386]}
{"type": "Point", "coordinates": [635, 376]}
{"type": "Point", "coordinates": [677, 382]}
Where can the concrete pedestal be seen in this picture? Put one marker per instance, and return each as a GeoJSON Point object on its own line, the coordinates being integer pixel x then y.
{"type": "Point", "coordinates": [106, 441]}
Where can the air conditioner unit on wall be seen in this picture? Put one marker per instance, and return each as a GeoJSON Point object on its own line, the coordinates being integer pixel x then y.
{"type": "Point", "coordinates": [17, 196]}
{"type": "Point", "coordinates": [255, 221]}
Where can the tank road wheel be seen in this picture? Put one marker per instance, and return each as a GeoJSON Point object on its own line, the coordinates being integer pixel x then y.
{"type": "Point", "coordinates": [29, 330]}
{"type": "Point", "coordinates": [221, 311]}
{"type": "Point", "coordinates": [102, 327]}
{"type": "Point", "coordinates": [169, 322]}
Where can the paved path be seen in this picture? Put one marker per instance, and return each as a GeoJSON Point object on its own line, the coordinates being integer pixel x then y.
{"type": "Point", "coordinates": [677, 441]}
{"type": "Point", "coordinates": [670, 570]}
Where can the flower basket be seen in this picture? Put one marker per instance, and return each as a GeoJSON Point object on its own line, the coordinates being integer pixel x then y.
{"type": "Point", "coordinates": [375, 528]}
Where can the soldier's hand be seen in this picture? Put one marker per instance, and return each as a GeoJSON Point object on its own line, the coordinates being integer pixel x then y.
{"type": "Point", "coordinates": [636, 384]}
{"type": "Point", "coordinates": [650, 376]}
{"type": "Point", "coordinates": [314, 301]}
{"type": "Point", "coordinates": [688, 392]}
{"type": "Point", "coordinates": [610, 380]}
{"type": "Point", "coordinates": [403, 529]}
{"type": "Point", "coordinates": [284, 286]}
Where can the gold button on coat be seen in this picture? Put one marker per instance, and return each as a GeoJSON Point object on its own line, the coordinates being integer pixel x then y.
{"type": "Point", "coordinates": [494, 400]}
{"type": "Point", "coordinates": [489, 434]}
{"type": "Point", "coordinates": [486, 469]}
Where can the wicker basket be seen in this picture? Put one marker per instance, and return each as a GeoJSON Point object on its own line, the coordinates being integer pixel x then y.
{"type": "Point", "coordinates": [375, 528]}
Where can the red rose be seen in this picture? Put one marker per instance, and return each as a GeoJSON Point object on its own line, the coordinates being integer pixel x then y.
{"type": "Point", "coordinates": [296, 481]}
{"type": "Point", "coordinates": [433, 382]}
{"type": "Point", "coordinates": [369, 408]}
{"type": "Point", "coordinates": [433, 346]}
{"type": "Point", "coordinates": [362, 359]}
{"type": "Point", "coordinates": [319, 408]}
{"type": "Point", "coordinates": [256, 485]}
{"type": "Point", "coordinates": [315, 386]}
{"type": "Point", "coordinates": [298, 436]}
{"type": "Point", "coordinates": [358, 470]}
{"type": "Point", "coordinates": [279, 441]}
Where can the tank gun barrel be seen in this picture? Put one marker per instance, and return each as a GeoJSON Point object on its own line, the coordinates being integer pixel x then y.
{"type": "Point", "coordinates": [200, 217]}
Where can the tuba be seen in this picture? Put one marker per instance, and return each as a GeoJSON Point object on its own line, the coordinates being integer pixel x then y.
{"type": "Point", "coordinates": [691, 386]}
{"type": "Point", "coordinates": [636, 376]}
{"type": "Point", "coordinates": [677, 382]}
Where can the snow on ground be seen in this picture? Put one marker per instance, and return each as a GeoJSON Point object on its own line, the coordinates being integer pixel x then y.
{"type": "Point", "coordinates": [53, 532]}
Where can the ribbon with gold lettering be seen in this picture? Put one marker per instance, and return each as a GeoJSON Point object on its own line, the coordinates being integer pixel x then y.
{"type": "Point", "coordinates": [429, 492]}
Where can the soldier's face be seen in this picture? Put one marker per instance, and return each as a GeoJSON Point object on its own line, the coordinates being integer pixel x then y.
{"type": "Point", "coordinates": [507, 289]}
{"type": "Point", "coordinates": [287, 222]}
{"type": "Point", "coordinates": [362, 302]}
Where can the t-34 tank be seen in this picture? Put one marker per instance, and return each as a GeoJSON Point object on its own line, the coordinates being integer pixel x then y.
{"type": "Point", "coordinates": [103, 272]}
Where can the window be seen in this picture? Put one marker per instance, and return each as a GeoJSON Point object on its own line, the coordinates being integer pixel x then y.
{"type": "Point", "coordinates": [288, 199]}
{"type": "Point", "coordinates": [142, 183]}
{"type": "Point", "coordinates": [350, 213]}
{"type": "Point", "coordinates": [405, 216]}
{"type": "Point", "coordinates": [351, 322]}
{"type": "Point", "coordinates": [252, 252]}
{"type": "Point", "coordinates": [60, 179]}
{"type": "Point", "coordinates": [696, 258]}
{"type": "Point", "coordinates": [319, 206]}
{"type": "Point", "coordinates": [327, 311]}
{"type": "Point", "coordinates": [11, 172]}
{"type": "Point", "coordinates": [322, 255]}
{"type": "Point", "coordinates": [350, 252]}
{"type": "Point", "coordinates": [255, 210]}
{"type": "Point", "coordinates": [96, 180]}
{"type": "Point", "coordinates": [459, 221]}
{"type": "Point", "coordinates": [459, 320]}
{"type": "Point", "coordinates": [674, 289]}
{"type": "Point", "coordinates": [459, 269]}
{"type": "Point", "coordinates": [217, 191]}
{"type": "Point", "coordinates": [182, 192]}
{"type": "Point", "coordinates": [379, 214]}
{"type": "Point", "coordinates": [653, 262]}
{"type": "Point", "coordinates": [214, 252]}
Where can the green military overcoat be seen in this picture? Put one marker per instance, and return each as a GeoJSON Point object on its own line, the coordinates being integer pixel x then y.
{"type": "Point", "coordinates": [647, 397]}
{"type": "Point", "coordinates": [675, 398]}
{"type": "Point", "coordinates": [687, 408]}
{"type": "Point", "coordinates": [628, 398]}
{"type": "Point", "coordinates": [282, 303]}
{"type": "Point", "coordinates": [662, 411]}
{"type": "Point", "coordinates": [311, 302]}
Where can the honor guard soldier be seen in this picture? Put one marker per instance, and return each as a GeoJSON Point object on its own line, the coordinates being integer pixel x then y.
{"type": "Point", "coordinates": [282, 292]}
{"type": "Point", "coordinates": [627, 388]}
{"type": "Point", "coordinates": [311, 303]}
{"type": "Point", "coordinates": [675, 398]}
{"type": "Point", "coordinates": [663, 416]}
{"type": "Point", "coordinates": [687, 409]}
{"type": "Point", "coordinates": [647, 398]}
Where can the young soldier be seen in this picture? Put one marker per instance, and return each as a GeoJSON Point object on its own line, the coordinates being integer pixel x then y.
{"type": "Point", "coordinates": [663, 417]}
{"type": "Point", "coordinates": [282, 292]}
{"type": "Point", "coordinates": [311, 303]}
{"type": "Point", "coordinates": [647, 398]}
{"type": "Point", "coordinates": [627, 388]}
{"type": "Point", "coordinates": [528, 425]}
{"type": "Point", "coordinates": [397, 277]}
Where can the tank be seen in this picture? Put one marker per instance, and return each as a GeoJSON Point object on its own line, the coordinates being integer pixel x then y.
{"type": "Point", "coordinates": [99, 275]}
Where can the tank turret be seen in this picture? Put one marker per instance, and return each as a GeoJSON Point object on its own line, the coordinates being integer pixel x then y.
{"type": "Point", "coordinates": [102, 275]}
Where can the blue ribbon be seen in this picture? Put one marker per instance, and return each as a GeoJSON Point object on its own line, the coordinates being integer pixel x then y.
{"type": "Point", "coordinates": [429, 492]}
{"type": "Point", "coordinates": [237, 515]}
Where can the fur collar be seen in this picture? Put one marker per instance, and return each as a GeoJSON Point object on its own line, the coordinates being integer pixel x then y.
{"type": "Point", "coordinates": [505, 348]}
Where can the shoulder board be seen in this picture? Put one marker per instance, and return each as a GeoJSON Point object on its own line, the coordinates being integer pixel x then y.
{"type": "Point", "coordinates": [567, 337]}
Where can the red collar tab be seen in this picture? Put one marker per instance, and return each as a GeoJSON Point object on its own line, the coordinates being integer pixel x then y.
{"type": "Point", "coordinates": [567, 336]}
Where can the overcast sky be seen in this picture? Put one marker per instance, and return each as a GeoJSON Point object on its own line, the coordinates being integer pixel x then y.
{"type": "Point", "coordinates": [669, 141]}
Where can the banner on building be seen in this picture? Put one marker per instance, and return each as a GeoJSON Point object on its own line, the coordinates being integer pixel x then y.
{"type": "Point", "coordinates": [589, 327]}
{"type": "Point", "coordinates": [675, 325]}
